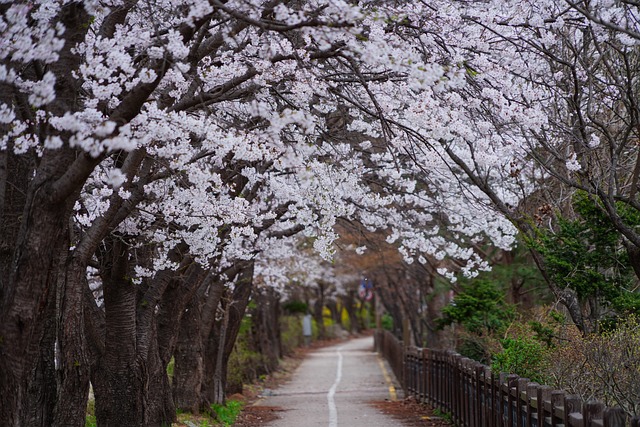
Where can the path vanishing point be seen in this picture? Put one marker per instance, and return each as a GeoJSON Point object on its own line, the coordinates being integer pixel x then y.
{"type": "Point", "coordinates": [335, 386]}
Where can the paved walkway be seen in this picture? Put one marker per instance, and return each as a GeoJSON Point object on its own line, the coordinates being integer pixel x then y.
{"type": "Point", "coordinates": [334, 387]}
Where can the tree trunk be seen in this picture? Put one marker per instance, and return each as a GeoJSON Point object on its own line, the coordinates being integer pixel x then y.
{"type": "Point", "coordinates": [175, 299]}
{"type": "Point", "coordinates": [120, 378]}
{"type": "Point", "coordinates": [436, 338]}
{"type": "Point", "coordinates": [25, 307]}
{"type": "Point", "coordinates": [74, 360]}
{"type": "Point", "coordinates": [392, 307]}
{"type": "Point", "coordinates": [332, 305]}
{"type": "Point", "coordinates": [318, 307]}
{"type": "Point", "coordinates": [188, 367]}
{"type": "Point", "coordinates": [130, 379]}
{"type": "Point", "coordinates": [219, 382]}
{"type": "Point", "coordinates": [266, 328]}
{"type": "Point", "coordinates": [188, 388]}
{"type": "Point", "coordinates": [35, 211]}
{"type": "Point", "coordinates": [350, 306]}
{"type": "Point", "coordinates": [222, 339]}
{"type": "Point", "coordinates": [159, 409]}
{"type": "Point", "coordinates": [42, 391]}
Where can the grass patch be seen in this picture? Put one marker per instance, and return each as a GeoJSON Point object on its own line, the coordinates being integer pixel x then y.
{"type": "Point", "coordinates": [91, 421]}
{"type": "Point", "coordinates": [442, 414]}
{"type": "Point", "coordinates": [90, 418]}
{"type": "Point", "coordinates": [220, 415]}
{"type": "Point", "coordinates": [227, 414]}
{"type": "Point", "coordinates": [170, 366]}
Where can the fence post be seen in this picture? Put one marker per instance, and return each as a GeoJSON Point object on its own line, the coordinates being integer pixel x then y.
{"type": "Point", "coordinates": [437, 380]}
{"type": "Point", "coordinates": [503, 399]}
{"type": "Point", "coordinates": [405, 373]}
{"type": "Point", "coordinates": [512, 385]}
{"type": "Point", "coordinates": [406, 358]}
{"type": "Point", "coordinates": [503, 388]}
{"type": "Point", "coordinates": [422, 379]}
{"type": "Point", "coordinates": [473, 393]}
{"type": "Point", "coordinates": [477, 397]}
{"type": "Point", "coordinates": [453, 387]}
{"type": "Point", "coordinates": [410, 371]}
{"type": "Point", "coordinates": [532, 411]}
{"type": "Point", "coordinates": [614, 417]}
{"type": "Point", "coordinates": [467, 389]}
{"type": "Point", "coordinates": [463, 404]}
{"type": "Point", "coordinates": [490, 406]}
{"type": "Point", "coordinates": [481, 395]}
{"type": "Point", "coordinates": [572, 406]}
{"type": "Point", "coordinates": [417, 372]}
{"type": "Point", "coordinates": [544, 395]}
{"type": "Point", "coordinates": [521, 386]}
{"type": "Point", "coordinates": [441, 380]}
{"type": "Point", "coordinates": [592, 411]}
{"type": "Point", "coordinates": [428, 355]}
{"type": "Point", "coordinates": [557, 402]}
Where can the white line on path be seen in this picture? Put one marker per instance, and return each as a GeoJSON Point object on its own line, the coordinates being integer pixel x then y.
{"type": "Point", "coordinates": [333, 411]}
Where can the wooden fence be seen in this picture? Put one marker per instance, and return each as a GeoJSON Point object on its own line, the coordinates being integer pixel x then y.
{"type": "Point", "coordinates": [477, 397]}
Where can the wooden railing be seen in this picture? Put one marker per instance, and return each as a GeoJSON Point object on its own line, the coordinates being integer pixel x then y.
{"type": "Point", "coordinates": [475, 396]}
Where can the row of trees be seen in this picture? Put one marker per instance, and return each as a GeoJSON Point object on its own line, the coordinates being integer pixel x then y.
{"type": "Point", "coordinates": [158, 159]}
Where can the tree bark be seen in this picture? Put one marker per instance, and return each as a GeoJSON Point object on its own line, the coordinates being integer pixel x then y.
{"type": "Point", "coordinates": [219, 380]}
{"type": "Point", "coordinates": [26, 293]}
{"type": "Point", "coordinates": [188, 370]}
{"type": "Point", "coordinates": [74, 360]}
{"type": "Point", "coordinates": [266, 328]}
{"type": "Point", "coordinates": [159, 406]}
{"type": "Point", "coordinates": [37, 222]}
{"type": "Point", "coordinates": [349, 301]}
{"type": "Point", "coordinates": [130, 379]}
{"type": "Point", "coordinates": [42, 391]}
{"type": "Point", "coordinates": [120, 378]}
{"type": "Point", "coordinates": [318, 307]}
{"type": "Point", "coordinates": [199, 318]}
{"type": "Point", "coordinates": [333, 307]}
{"type": "Point", "coordinates": [222, 339]}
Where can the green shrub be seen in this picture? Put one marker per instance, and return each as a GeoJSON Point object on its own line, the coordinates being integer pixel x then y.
{"type": "Point", "coordinates": [387, 322]}
{"type": "Point", "coordinates": [476, 347]}
{"type": "Point", "coordinates": [480, 306]}
{"type": "Point", "coordinates": [295, 307]}
{"type": "Point", "coordinates": [290, 333]}
{"type": "Point", "coordinates": [523, 356]}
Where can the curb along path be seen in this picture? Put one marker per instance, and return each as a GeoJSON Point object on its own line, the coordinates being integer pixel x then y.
{"type": "Point", "coordinates": [335, 386]}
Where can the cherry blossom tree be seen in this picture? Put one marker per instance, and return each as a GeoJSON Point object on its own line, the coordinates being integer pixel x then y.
{"type": "Point", "coordinates": [519, 105]}
{"type": "Point", "coordinates": [571, 68]}
{"type": "Point", "coordinates": [109, 121]}
{"type": "Point", "coordinates": [154, 154]}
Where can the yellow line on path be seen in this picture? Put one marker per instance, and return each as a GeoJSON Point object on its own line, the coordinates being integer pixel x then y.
{"type": "Point", "coordinates": [387, 378]}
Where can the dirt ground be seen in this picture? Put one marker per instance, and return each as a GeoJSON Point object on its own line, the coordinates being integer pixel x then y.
{"type": "Point", "coordinates": [408, 412]}
{"type": "Point", "coordinates": [411, 413]}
